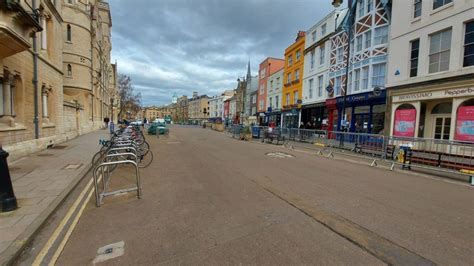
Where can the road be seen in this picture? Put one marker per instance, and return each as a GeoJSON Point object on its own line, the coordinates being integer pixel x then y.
{"type": "Point", "coordinates": [210, 199]}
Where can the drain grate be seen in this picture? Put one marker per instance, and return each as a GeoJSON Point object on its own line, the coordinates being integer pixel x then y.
{"type": "Point", "coordinates": [279, 155]}
{"type": "Point", "coordinates": [44, 154]}
{"type": "Point", "coordinates": [58, 147]}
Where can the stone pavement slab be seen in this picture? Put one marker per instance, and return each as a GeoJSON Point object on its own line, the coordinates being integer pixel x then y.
{"type": "Point", "coordinates": [41, 181]}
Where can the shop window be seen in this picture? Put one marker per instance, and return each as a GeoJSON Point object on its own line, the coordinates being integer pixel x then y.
{"type": "Point", "coordinates": [440, 48]}
{"type": "Point", "coordinates": [415, 49]}
{"type": "Point", "coordinates": [442, 108]}
{"type": "Point", "coordinates": [465, 121]}
{"type": "Point", "coordinates": [405, 121]}
{"type": "Point", "coordinates": [469, 45]}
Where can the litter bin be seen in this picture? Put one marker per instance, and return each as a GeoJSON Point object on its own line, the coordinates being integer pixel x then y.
{"type": "Point", "coordinates": [256, 132]}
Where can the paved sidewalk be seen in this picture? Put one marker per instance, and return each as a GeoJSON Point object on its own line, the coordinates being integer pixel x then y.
{"type": "Point", "coordinates": [41, 181]}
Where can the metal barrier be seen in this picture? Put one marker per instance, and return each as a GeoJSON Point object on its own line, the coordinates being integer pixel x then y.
{"type": "Point", "coordinates": [440, 155]}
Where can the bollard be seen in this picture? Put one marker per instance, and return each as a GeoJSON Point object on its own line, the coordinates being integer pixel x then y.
{"type": "Point", "coordinates": [7, 196]}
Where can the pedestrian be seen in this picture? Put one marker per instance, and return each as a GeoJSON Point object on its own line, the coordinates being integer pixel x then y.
{"type": "Point", "coordinates": [106, 122]}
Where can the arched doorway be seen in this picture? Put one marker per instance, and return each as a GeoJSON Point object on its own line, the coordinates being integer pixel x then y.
{"type": "Point", "coordinates": [442, 120]}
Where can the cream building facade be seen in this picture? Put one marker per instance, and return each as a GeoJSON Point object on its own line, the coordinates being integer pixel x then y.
{"type": "Point", "coordinates": [198, 108]}
{"type": "Point", "coordinates": [431, 70]}
{"type": "Point", "coordinates": [38, 105]}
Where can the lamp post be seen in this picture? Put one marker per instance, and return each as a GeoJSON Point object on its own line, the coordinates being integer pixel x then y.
{"type": "Point", "coordinates": [7, 196]}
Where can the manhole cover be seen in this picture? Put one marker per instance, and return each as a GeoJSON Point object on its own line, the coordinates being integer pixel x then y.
{"type": "Point", "coordinates": [279, 155]}
{"type": "Point", "coordinates": [72, 166]}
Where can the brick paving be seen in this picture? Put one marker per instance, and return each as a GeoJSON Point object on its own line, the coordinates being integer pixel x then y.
{"type": "Point", "coordinates": [41, 181]}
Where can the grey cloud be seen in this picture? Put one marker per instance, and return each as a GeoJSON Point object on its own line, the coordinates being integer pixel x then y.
{"type": "Point", "coordinates": [181, 46]}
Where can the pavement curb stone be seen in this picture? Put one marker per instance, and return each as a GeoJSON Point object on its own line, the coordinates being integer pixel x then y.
{"type": "Point", "coordinates": [16, 248]}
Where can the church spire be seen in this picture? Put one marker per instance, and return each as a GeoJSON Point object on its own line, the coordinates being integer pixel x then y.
{"type": "Point", "coordinates": [249, 75]}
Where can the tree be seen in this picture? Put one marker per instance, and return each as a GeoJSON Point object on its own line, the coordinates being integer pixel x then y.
{"type": "Point", "coordinates": [129, 100]}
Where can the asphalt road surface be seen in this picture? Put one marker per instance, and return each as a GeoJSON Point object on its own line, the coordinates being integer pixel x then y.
{"type": "Point", "coordinates": [209, 199]}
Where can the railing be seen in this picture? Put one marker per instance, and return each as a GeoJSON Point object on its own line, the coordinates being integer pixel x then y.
{"type": "Point", "coordinates": [434, 154]}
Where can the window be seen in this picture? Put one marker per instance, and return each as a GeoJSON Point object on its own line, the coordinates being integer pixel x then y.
{"type": "Point", "coordinates": [254, 99]}
{"type": "Point", "coordinates": [440, 47]}
{"type": "Point", "coordinates": [320, 86]}
{"type": "Point", "coordinates": [440, 3]}
{"type": "Point", "coordinates": [271, 102]}
{"type": "Point", "coordinates": [415, 46]}
{"type": "Point", "coordinates": [368, 39]}
{"type": "Point", "coordinates": [365, 77]}
{"type": "Point", "coordinates": [378, 75]}
{"type": "Point", "coordinates": [288, 99]}
{"type": "Point", "coordinates": [70, 2]}
{"type": "Point", "coordinates": [277, 101]}
{"type": "Point", "coordinates": [298, 55]}
{"type": "Point", "coordinates": [381, 35]}
{"type": "Point", "coordinates": [340, 54]}
{"type": "Point", "coordinates": [337, 86]}
{"type": "Point", "coordinates": [261, 104]}
{"type": "Point", "coordinates": [288, 78]}
{"type": "Point", "coordinates": [322, 51]}
{"type": "Point", "coordinates": [359, 43]}
{"type": "Point", "coordinates": [313, 36]}
{"type": "Point", "coordinates": [297, 74]}
{"type": "Point", "coordinates": [69, 70]}
{"type": "Point", "coordinates": [271, 84]}
{"type": "Point", "coordinates": [290, 60]}
{"type": "Point", "coordinates": [295, 97]}
{"type": "Point", "coordinates": [312, 59]}
{"type": "Point", "coordinates": [349, 82]}
{"type": "Point", "coordinates": [323, 29]}
{"type": "Point", "coordinates": [262, 89]}
{"type": "Point", "coordinates": [311, 81]}
{"type": "Point", "coordinates": [278, 81]}
{"type": "Point", "coordinates": [44, 103]}
{"type": "Point", "coordinates": [469, 45]}
{"type": "Point", "coordinates": [369, 5]}
{"type": "Point", "coordinates": [416, 8]}
{"type": "Point", "coordinates": [361, 8]}
{"type": "Point", "coordinates": [68, 33]}
{"type": "Point", "coordinates": [356, 80]}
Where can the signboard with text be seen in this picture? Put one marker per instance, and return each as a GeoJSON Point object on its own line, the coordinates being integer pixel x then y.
{"type": "Point", "coordinates": [405, 121]}
{"type": "Point", "coordinates": [465, 124]}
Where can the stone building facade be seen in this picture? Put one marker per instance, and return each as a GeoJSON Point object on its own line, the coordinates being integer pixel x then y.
{"type": "Point", "coordinates": [198, 108]}
{"type": "Point", "coordinates": [40, 103]}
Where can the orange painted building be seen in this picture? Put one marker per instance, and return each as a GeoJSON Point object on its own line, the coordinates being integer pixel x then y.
{"type": "Point", "coordinates": [292, 82]}
{"type": "Point", "coordinates": [267, 67]}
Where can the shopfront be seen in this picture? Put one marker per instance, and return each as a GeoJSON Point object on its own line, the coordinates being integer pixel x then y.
{"type": "Point", "coordinates": [273, 116]}
{"type": "Point", "coordinates": [315, 115]}
{"type": "Point", "coordinates": [446, 114]}
{"type": "Point", "coordinates": [290, 118]}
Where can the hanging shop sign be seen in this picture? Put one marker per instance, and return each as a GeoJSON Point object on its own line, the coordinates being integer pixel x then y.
{"type": "Point", "coordinates": [465, 124]}
{"type": "Point", "coordinates": [405, 121]}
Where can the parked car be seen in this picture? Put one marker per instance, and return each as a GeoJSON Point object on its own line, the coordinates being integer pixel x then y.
{"type": "Point", "coordinates": [137, 122]}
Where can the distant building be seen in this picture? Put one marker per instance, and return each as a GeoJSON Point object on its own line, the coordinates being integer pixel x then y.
{"type": "Point", "coordinates": [198, 108]}
{"type": "Point", "coordinates": [274, 92]}
{"type": "Point", "coordinates": [216, 106]}
{"type": "Point", "coordinates": [266, 68]}
{"type": "Point", "coordinates": [293, 76]}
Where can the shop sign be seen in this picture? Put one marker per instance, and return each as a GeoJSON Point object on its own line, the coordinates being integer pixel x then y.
{"type": "Point", "coordinates": [405, 121]}
{"type": "Point", "coordinates": [434, 95]}
{"type": "Point", "coordinates": [465, 124]}
{"type": "Point", "coordinates": [362, 98]}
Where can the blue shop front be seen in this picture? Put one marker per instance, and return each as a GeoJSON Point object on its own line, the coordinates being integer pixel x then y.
{"type": "Point", "coordinates": [365, 112]}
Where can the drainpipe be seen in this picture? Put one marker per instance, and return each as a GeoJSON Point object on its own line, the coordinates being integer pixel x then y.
{"type": "Point", "coordinates": [92, 70]}
{"type": "Point", "coordinates": [35, 76]}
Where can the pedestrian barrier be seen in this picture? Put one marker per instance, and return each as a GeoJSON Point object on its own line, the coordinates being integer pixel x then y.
{"type": "Point", "coordinates": [126, 147]}
{"type": "Point", "coordinates": [433, 154]}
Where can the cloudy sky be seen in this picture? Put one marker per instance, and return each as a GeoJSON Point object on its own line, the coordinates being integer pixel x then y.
{"type": "Point", "coordinates": [182, 46]}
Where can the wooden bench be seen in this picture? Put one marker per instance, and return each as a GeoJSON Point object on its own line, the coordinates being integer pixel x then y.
{"type": "Point", "coordinates": [442, 160]}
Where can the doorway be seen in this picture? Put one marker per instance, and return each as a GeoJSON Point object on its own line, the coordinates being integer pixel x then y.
{"type": "Point", "coordinates": [361, 123]}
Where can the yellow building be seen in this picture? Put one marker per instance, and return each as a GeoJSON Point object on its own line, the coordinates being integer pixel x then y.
{"type": "Point", "coordinates": [293, 77]}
